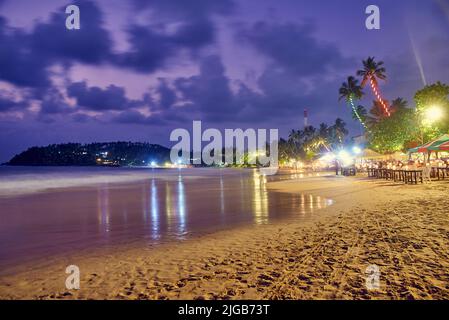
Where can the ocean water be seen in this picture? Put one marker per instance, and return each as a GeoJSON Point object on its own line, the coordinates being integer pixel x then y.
{"type": "Point", "coordinates": [47, 211]}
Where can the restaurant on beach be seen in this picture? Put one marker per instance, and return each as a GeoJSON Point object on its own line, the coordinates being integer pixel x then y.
{"type": "Point", "coordinates": [415, 171]}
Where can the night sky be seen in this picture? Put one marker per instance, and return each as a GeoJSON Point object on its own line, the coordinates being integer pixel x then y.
{"type": "Point", "coordinates": [138, 69]}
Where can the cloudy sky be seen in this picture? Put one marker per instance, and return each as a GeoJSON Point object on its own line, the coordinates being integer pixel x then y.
{"type": "Point", "coordinates": [138, 69]}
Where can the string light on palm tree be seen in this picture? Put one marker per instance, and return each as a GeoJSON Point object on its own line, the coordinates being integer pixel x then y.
{"type": "Point", "coordinates": [372, 71]}
{"type": "Point", "coordinates": [382, 102]}
{"type": "Point", "coordinates": [351, 90]}
{"type": "Point", "coordinates": [356, 112]}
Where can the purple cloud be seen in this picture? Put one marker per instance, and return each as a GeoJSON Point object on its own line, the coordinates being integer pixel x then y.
{"type": "Point", "coordinates": [98, 99]}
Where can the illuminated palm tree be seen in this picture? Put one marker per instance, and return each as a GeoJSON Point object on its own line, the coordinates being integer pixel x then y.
{"type": "Point", "coordinates": [350, 91]}
{"type": "Point", "coordinates": [361, 112]}
{"type": "Point", "coordinates": [373, 71]}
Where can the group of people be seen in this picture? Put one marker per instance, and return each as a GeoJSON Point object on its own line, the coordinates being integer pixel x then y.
{"type": "Point", "coordinates": [389, 164]}
{"type": "Point", "coordinates": [411, 164]}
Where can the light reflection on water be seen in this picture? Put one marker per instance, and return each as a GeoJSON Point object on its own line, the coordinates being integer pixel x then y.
{"type": "Point", "coordinates": [154, 211]}
{"type": "Point", "coordinates": [103, 209]}
{"type": "Point", "coordinates": [157, 209]}
{"type": "Point", "coordinates": [168, 209]}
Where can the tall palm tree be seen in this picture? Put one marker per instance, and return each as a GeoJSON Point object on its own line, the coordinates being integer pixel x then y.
{"type": "Point", "coordinates": [373, 71]}
{"type": "Point", "coordinates": [350, 91]}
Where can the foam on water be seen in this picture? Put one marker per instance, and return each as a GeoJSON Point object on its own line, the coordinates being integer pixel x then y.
{"type": "Point", "coordinates": [24, 180]}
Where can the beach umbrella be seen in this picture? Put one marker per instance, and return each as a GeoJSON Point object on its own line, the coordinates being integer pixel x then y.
{"type": "Point", "coordinates": [444, 146]}
{"type": "Point", "coordinates": [431, 146]}
{"type": "Point", "coordinates": [413, 150]}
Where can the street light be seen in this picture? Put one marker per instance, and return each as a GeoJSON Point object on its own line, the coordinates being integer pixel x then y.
{"type": "Point", "coordinates": [356, 150]}
{"type": "Point", "coordinates": [345, 158]}
{"type": "Point", "coordinates": [432, 114]}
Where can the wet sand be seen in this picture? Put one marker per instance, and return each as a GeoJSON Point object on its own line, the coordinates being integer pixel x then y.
{"type": "Point", "coordinates": [404, 230]}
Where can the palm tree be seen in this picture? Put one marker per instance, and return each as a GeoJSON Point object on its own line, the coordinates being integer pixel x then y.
{"type": "Point", "coordinates": [323, 137]}
{"type": "Point", "coordinates": [308, 137]}
{"type": "Point", "coordinates": [294, 137]}
{"type": "Point", "coordinates": [340, 130]}
{"type": "Point", "coordinates": [373, 71]}
{"type": "Point", "coordinates": [323, 130]}
{"type": "Point", "coordinates": [398, 104]}
{"type": "Point", "coordinates": [375, 114]}
{"type": "Point", "coordinates": [350, 91]}
{"type": "Point", "coordinates": [361, 112]}
{"type": "Point", "coordinates": [351, 88]}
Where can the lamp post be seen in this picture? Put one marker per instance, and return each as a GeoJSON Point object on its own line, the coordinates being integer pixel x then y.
{"type": "Point", "coordinates": [429, 117]}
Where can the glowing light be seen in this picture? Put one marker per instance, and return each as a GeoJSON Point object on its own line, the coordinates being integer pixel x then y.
{"type": "Point", "coordinates": [153, 164]}
{"type": "Point", "coordinates": [181, 206]}
{"type": "Point", "coordinates": [328, 157]}
{"type": "Point", "coordinates": [433, 114]}
{"type": "Point", "coordinates": [417, 58]}
{"type": "Point", "coordinates": [154, 210]}
{"type": "Point", "coordinates": [345, 157]}
{"type": "Point", "coordinates": [343, 154]}
{"type": "Point", "coordinates": [354, 109]}
{"type": "Point", "coordinates": [379, 98]}
{"type": "Point", "coordinates": [356, 150]}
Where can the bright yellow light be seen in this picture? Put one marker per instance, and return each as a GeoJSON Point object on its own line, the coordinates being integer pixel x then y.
{"type": "Point", "coordinates": [345, 158]}
{"type": "Point", "coordinates": [329, 157]}
{"type": "Point", "coordinates": [356, 150]}
{"type": "Point", "coordinates": [433, 114]}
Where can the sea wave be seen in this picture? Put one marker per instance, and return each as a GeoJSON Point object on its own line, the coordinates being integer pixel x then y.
{"type": "Point", "coordinates": [24, 180]}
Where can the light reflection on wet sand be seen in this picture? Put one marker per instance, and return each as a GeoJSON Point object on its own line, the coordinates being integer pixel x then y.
{"type": "Point", "coordinates": [143, 212]}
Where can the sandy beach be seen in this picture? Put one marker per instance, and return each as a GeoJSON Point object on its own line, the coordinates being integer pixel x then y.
{"type": "Point", "coordinates": [404, 230]}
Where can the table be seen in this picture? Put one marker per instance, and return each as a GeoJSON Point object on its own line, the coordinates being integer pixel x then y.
{"type": "Point", "coordinates": [441, 172]}
{"type": "Point", "coordinates": [371, 172]}
{"type": "Point", "coordinates": [412, 176]}
{"type": "Point", "coordinates": [406, 176]}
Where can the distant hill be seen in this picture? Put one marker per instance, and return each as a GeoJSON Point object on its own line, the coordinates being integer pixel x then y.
{"type": "Point", "coordinates": [93, 154]}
